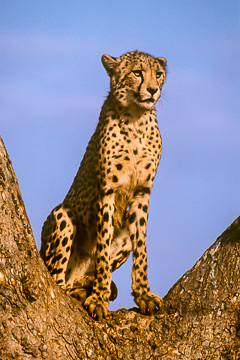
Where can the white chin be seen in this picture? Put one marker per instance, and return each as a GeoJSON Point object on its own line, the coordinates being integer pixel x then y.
{"type": "Point", "coordinates": [146, 104]}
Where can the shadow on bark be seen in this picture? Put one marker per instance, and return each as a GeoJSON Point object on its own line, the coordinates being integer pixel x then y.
{"type": "Point", "coordinates": [200, 318]}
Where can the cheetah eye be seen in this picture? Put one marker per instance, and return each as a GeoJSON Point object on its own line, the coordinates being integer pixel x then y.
{"type": "Point", "coordinates": [137, 73]}
{"type": "Point", "coordinates": [159, 74]}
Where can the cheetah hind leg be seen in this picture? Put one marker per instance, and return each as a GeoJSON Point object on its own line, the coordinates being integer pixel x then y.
{"type": "Point", "coordinates": [82, 289]}
{"type": "Point", "coordinates": [58, 234]}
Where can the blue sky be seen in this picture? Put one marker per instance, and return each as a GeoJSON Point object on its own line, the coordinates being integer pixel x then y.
{"type": "Point", "coordinates": [52, 86]}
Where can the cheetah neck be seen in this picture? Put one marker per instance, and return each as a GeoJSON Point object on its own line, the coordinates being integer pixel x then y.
{"type": "Point", "coordinates": [131, 114]}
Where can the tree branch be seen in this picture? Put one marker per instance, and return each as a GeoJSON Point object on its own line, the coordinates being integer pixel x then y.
{"type": "Point", "coordinates": [200, 319]}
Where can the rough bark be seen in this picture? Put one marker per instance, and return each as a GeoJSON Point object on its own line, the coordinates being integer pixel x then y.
{"type": "Point", "coordinates": [200, 318]}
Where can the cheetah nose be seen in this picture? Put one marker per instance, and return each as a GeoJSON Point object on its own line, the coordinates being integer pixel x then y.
{"type": "Point", "coordinates": [152, 91]}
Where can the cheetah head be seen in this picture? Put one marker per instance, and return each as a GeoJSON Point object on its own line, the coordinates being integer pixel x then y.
{"type": "Point", "coordinates": [136, 78]}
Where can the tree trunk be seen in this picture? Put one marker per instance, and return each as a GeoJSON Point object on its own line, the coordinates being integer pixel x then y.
{"type": "Point", "coordinates": [200, 318]}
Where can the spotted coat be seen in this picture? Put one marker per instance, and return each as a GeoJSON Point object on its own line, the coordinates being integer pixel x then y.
{"type": "Point", "coordinates": [104, 215]}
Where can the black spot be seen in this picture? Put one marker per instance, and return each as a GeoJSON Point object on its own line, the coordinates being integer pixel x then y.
{"type": "Point", "coordinates": [114, 265]}
{"type": "Point", "coordinates": [57, 243]}
{"type": "Point", "coordinates": [145, 208]}
{"type": "Point", "coordinates": [123, 132]}
{"type": "Point", "coordinates": [105, 217]}
{"type": "Point", "coordinates": [114, 178]}
{"type": "Point", "coordinates": [100, 247]}
{"type": "Point", "coordinates": [64, 260]}
{"type": "Point", "coordinates": [109, 192]}
{"type": "Point", "coordinates": [63, 225]}
{"type": "Point", "coordinates": [148, 166]}
{"type": "Point", "coordinates": [68, 249]}
{"type": "Point", "coordinates": [132, 217]}
{"type": "Point", "coordinates": [56, 271]}
{"type": "Point", "coordinates": [125, 254]}
{"type": "Point", "coordinates": [142, 221]}
{"type": "Point", "coordinates": [59, 281]}
{"type": "Point", "coordinates": [126, 158]}
{"type": "Point", "coordinates": [104, 232]}
{"type": "Point", "coordinates": [101, 270]}
{"type": "Point", "coordinates": [56, 258]}
{"type": "Point", "coordinates": [49, 268]}
{"type": "Point", "coordinates": [135, 254]}
{"type": "Point", "coordinates": [148, 178]}
{"type": "Point", "coordinates": [132, 237]}
{"type": "Point", "coordinates": [119, 166]}
{"type": "Point", "coordinates": [64, 242]}
{"type": "Point", "coordinates": [99, 228]}
{"type": "Point", "coordinates": [135, 152]}
{"type": "Point", "coordinates": [142, 190]}
{"type": "Point", "coordinates": [59, 216]}
{"type": "Point", "coordinates": [48, 257]}
{"type": "Point", "coordinates": [139, 243]}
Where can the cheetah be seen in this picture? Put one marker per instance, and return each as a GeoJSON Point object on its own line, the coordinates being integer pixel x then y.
{"type": "Point", "coordinates": [103, 217]}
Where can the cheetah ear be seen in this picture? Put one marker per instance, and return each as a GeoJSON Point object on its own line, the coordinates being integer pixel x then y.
{"type": "Point", "coordinates": [162, 61]}
{"type": "Point", "coordinates": [109, 63]}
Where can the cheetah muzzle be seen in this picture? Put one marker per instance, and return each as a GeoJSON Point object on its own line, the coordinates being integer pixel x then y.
{"type": "Point", "coordinates": [104, 215]}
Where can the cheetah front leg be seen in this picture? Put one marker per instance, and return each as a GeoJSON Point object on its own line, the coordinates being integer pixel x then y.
{"type": "Point", "coordinates": [97, 302]}
{"type": "Point", "coordinates": [147, 302]}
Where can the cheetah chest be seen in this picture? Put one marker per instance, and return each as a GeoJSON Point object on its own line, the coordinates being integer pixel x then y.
{"type": "Point", "coordinates": [135, 157]}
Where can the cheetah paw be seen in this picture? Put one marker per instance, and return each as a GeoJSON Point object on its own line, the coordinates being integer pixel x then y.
{"type": "Point", "coordinates": [148, 303]}
{"type": "Point", "coordinates": [78, 293]}
{"type": "Point", "coordinates": [96, 307]}
{"type": "Point", "coordinates": [81, 288]}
